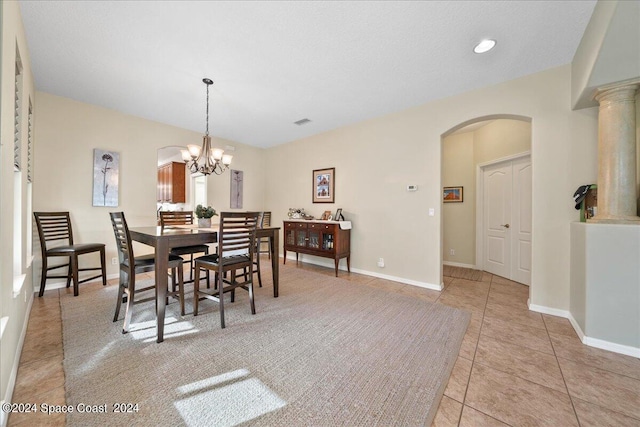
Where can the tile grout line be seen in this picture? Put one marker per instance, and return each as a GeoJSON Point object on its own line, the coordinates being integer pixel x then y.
{"type": "Point", "coordinates": [561, 373]}
{"type": "Point", "coordinates": [473, 362]}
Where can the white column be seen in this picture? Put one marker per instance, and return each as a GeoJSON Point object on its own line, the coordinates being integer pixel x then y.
{"type": "Point", "coordinates": [617, 199]}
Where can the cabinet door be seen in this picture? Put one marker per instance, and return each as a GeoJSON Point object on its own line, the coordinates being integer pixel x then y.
{"type": "Point", "coordinates": [315, 235]}
{"type": "Point", "coordinates": [290, 237]}
{"type": "Point", "coordinates": [328, 237]}
{"type": "Point", "coordinates": [301, 238]}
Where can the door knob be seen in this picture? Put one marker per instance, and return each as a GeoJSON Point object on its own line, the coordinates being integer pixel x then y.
{"type": "Point", "coordinates": [505, 225]}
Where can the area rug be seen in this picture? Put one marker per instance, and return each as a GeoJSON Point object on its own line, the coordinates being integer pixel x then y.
{"type": "Point", "coordinates": [326, 352]}
{"type": "Point", "coordinates": [462, 273]}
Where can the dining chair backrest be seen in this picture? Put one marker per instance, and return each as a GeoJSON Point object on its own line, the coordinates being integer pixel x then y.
{"type": "Point", "coordinates": [123, 238]}
{"type": "Point", "coordinates": [169, 218]}
{"type": "Point", "coordinates": [237, 233]}
{"type": "Point", "coordinates": [53, 226]}
{"type": "Point", "coordinates": [266, 219]}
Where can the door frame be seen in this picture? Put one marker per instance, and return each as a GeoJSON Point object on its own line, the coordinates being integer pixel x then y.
{"type": "Point", "coordinates": [480, 202]}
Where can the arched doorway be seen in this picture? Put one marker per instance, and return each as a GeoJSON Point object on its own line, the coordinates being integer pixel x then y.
{"type": "Point", "coordinates": [487, 159]}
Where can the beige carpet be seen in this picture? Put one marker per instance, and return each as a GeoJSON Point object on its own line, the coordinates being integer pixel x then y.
{"type": "Point", "coordinates": [462, 273]}
{"type": "Point", "coordinates": [326, 352]}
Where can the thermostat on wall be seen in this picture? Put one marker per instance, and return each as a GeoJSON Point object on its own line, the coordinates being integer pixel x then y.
{"type": "Point", "coordinates": [412, 188]}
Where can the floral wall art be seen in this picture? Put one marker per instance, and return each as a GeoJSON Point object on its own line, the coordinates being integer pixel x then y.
{"type": "Point", "coordinates": [106, 166]}
{"type": "Point", "coordinates": [237, 178]}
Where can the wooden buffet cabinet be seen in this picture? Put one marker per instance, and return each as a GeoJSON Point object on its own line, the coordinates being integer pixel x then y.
{"type": "Point", "coordinates": [320, 238]}
{"type": "Point", "coordinates": [171, 183]}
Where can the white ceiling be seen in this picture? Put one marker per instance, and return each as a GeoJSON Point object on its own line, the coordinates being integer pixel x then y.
{"type": "Point", "coordinates": [276, 62]}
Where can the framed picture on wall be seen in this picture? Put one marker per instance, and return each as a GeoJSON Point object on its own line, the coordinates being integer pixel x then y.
{"type": "Point", "coordinates": [452, 194]}
{"type": "Point", "coordinates": [324, 185]}
{"type": "Point", "coordinates": [106, 171]}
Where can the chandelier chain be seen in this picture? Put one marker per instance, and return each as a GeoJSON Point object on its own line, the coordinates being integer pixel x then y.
{"type": "Point", "coordinates": [207, 133]}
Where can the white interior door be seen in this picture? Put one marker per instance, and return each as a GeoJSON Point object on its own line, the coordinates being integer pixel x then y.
{"type": "Point", "coordinates": [507, 219]}
{"type": "Point", "coordinates": [497, 216]}
{"type": "Point", "coordinates": [521, 222]}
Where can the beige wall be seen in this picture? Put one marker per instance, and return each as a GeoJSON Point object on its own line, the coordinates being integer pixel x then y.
{"type": "Point", "coordinates": [500, 139]}
{"type": "Point", "coordinates": [14, 304]}
{"type": "Point", "coordinates": [376, 159]}
{"type": "Point", "coordinates": [459, 219]}
{"type": "Point", "coordinates": [67, 133]}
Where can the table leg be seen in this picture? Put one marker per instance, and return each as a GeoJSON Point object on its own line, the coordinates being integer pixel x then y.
{"type": "Point", "coordinates": [162, 264]}
{"type": "Point", "coordinates": [275, 260]}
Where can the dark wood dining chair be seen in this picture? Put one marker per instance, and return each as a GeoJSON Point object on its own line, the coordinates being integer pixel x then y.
{"type": "Point", "coordinates": [173, 218]}
{"type": "Point", "coordinates": [236, 247]}
{"type": "Point", "coordinates": [262, 216]}
{"type": "Point", "coordinates": [131, 265]}
{"type": "Point", "coordinates": [56, 240]}
{"type": "Point", "coordinates": [266, 222]}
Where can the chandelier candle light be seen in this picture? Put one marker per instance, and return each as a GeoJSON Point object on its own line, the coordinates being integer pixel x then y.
{"type": "Point", "coordinates": [206, 160]}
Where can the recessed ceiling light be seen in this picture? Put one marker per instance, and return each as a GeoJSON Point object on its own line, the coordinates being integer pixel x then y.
{"type": "Point", "coordinates": [484, 46]}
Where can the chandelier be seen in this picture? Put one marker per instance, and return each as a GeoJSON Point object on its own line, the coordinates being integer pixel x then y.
{"type": "Point", "coordinates": [206, 160]}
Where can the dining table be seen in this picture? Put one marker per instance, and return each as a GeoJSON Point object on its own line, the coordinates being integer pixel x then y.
{"type": "Point", "coordinates": [162, 239]}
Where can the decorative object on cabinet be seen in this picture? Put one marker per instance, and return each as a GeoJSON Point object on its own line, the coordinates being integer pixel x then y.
{"type": "Point", "coordinates": [338, 216]}
{"type": "Point", "coordinates": [325, 215]}
{"type": "Point", "coordinates": [586, 198]}
{"type": "Point", "coordinates": [106, 165]}
{"type": "Point", "coordinates": [452, 194]}
{"type": "Point", "coordinates": [206, 160]}
{"type": "Point", "coordinates": [204, 216]}
{"type": "Point", "coordinates": [327, 240]}
{"type": "Point", "coordinates": [324, 185]}
{"type": "Point", "coordinates": [171, 183]}
{"type": "Point", "coordinates": [237, 177]}
{"type": "Point", "coordinates": [295, 213]}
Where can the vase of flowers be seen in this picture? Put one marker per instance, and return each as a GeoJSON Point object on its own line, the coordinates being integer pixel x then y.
{"type": "Point", "coordinates": [204, 216]}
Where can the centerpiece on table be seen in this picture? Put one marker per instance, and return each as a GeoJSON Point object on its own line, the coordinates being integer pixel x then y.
{"type": "Point", "coordinates": [204, 216]}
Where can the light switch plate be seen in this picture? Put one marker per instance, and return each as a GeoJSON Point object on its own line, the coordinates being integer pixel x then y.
{"type": "Point", "coordinates": [432, 212]}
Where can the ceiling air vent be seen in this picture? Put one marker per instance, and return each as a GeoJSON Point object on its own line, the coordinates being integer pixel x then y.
{"type": "Point", "coordinates": [302, 122]}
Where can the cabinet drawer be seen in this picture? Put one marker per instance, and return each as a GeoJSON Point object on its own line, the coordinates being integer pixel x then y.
{"type": "Point", "coordinates": [327, 227]}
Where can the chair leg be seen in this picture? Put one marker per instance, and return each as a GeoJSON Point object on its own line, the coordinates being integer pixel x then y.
{"type": "Point", "coordinates": [206, 252]}
{"type": "Point", "coordinates": [181, 288]}
{"type": "Point", "coordinates": [221, 299]}
{"type": "Point", "coordinates": [196, 288]}
{"type": "Point", "coordinates": [120, 292]}
{"type": "Point", "coordinates": [69, 272]}
{"type": "Point", "coordinates": [191, 267]}
{"type": "Point", "coordinates": [74, 272]}
{"type": "Point", "coordinates": [43, 279]}
{"type": "Point", "coordinates": [253, 306]}
{"type": "Point", "coordinates": [233, 282]}
{"type": "Point", "coordinates": [130, 299]}
{"type": "Point", "coordinates": [104, 267]}
{"type": "Point", "coordinates": [258, 265]}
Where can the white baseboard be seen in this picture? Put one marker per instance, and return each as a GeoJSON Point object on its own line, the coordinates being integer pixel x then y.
{"type": "Point", "coordinates": [4, 417]}
{"type": "Point", "coordinates": [586, 340]}
{"type": "Point", "coordinates": [459, 264]}
{"type": "Point", "coordinates": [548, 310]}
{"type": "Point", "coordinates": [330, 264]}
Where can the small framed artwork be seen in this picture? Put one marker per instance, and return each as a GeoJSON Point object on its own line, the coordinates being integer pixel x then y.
{"type": "Point", "coordinates": [325, 215]}
{"type": "Point", "coordinates": [324, 185]}
{"type": "Point", "coordinates": [452, 194]}
{"type": "Point", "coordinates": [338, 216]}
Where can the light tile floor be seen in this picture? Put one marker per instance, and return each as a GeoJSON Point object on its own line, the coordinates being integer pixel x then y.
{"type": "Point", "coordinates": [515, 367]}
